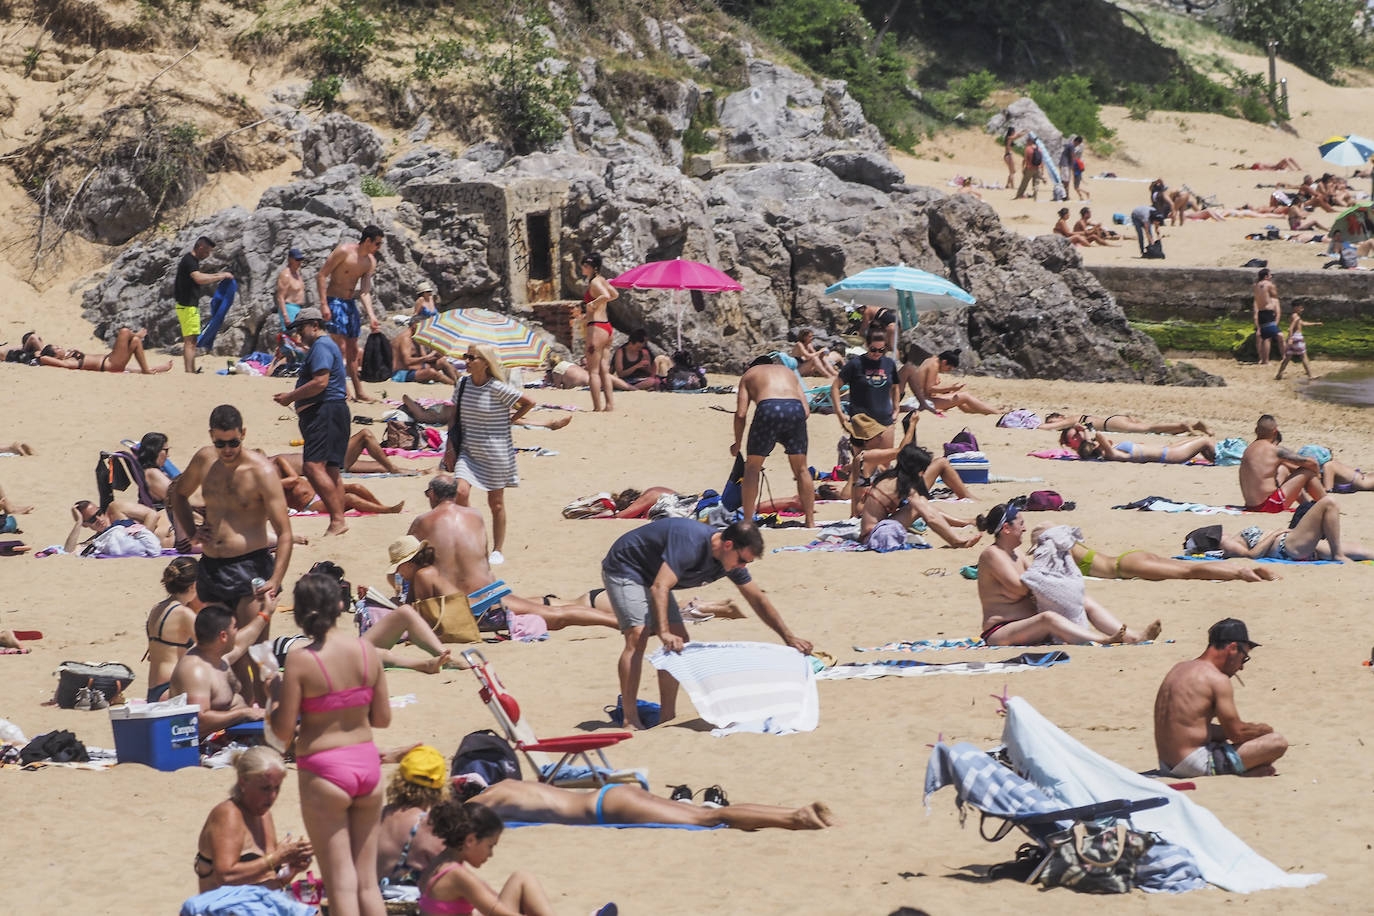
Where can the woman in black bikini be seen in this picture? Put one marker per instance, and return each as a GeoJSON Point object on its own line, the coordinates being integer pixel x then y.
{"type": "Point", "coordinates": [1124, 423]}
{"type": "Point", "coordinates": [238, 844]}
{"type": "Point", "coordinates": [127, 346]}
{"type": "Point", "coordinates": [598, 331]}
{"type": "Point", "coordinates": [901, 494]}
{"type": "Point", "coordinates": [171, 624]}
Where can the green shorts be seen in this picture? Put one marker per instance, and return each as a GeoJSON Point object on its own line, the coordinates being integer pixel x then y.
{"type": "Point", "coordinates": [189, 318]}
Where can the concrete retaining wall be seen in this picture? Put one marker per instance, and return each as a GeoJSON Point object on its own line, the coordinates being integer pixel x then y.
{"type": "Point", "coordinates": [1157, 293]}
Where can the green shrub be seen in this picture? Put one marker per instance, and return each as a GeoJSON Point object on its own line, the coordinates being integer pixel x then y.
{"type": "Point", "coordinates": [438, 60]}
{"type": "Point", "coordinates": [1318, 35]}
{"type": "Point", "coordinates": [344, 37]}
{"type": "Point", "coordinates": [728, 65]}
{"type": "Point", "coordinates": [1068, 101]}
{"type": "Point", "coordinates": [973, 90]}
{"type": "Point", "coordinates": [324, 91]}
{"type": "Point", "coordinates": [527, 99]}
{"type": "Point", "coordinates": [373, 186]}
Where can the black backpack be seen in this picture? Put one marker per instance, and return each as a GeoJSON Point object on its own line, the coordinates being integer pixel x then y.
{"type": "Point", "coordinates": [376, 366]}
{"type": "Point", "coordinates": [487, 754]}
{"type": "Point", "coordinates": [1036, 156]}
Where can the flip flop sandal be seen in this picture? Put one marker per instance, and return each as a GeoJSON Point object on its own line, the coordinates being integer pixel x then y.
{"type": "Point", "coordinates": [27, 634]}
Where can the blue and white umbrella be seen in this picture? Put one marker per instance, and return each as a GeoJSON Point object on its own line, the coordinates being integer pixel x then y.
{"type": "Point", "coordinates": [901, 287]}
{"type": "Point", "coordinates": [1347, 149]}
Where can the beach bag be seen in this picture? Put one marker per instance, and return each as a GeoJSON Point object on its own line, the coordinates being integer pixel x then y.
{"type": "Point", "coordinates": [402, 434]}
{"type": "Point", "coordinates": [1021, 418]}
{"type": "Point", "coordinates": [58, 746]}
{"type": "Point", "coordinates": [1202, 540]}
{"type": "Point", "coordinates": [376, 365]}
{"type": "Point", "coordinates": [488, 755]}
{"type": "Point", "coordinates": [1154, 251]}
{"type": "Point", "coordinates": [308, 889]}
{"type": "Point", "coordinates": [1044, 501]}
{"type": "Point", "coordinates": [1036, 156]}
{"type": "Point", "coordinates": [963, 441]}
{"type": "Point", "coordinates": [649, 713]}
{"type": "Point", "coordinates": [1095, 858]}
{"type": "Point", "coordinates": [455, 430]}
{"type": "Point", "coordinates": [450, 617]}
{"type": "Point", "coordinates": [1350, 258]}
{"type": "Point", "coordinates": [1229, 451]}
{"type": "Point", "coordinates": [109, 678]}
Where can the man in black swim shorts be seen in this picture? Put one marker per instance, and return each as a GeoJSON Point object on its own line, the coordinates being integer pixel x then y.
{"type": "Point", "coordinates": [780, 414]}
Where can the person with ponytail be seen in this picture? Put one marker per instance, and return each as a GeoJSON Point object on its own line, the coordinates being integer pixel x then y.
{"type": "Point", "coordinates": [470, 832]}
{"type": "Point", "coordinates": [170, 626]}
{"type": "Point", "coordinates": [901, 495]}
{"type": "Point", "coordinates": [337, 689]}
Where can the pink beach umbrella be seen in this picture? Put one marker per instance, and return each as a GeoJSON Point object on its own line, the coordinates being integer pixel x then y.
{"type": "Point", "coordinates": [676, 275]}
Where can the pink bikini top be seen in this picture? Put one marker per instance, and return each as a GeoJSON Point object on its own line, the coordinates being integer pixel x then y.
{"type": "Point", "coordinates": [459, 907]}
{"type": "Point", "coordinates": [338, 699]}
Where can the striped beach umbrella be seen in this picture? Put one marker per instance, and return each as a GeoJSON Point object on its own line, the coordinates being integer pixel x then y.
{"type": "Point", "coordinates": [453, 331]}
{"type": "Point", "coordinates": [1346, 149]}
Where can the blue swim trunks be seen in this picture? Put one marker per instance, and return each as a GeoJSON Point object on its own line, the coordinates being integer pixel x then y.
{"type": "Point", "coordinates": [343, 318]}
{"type": "Point", "coordinates": [404, 375]}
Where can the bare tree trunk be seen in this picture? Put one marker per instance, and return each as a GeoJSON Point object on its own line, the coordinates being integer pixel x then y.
{"type": "Point", "coordinates": [887, 24]}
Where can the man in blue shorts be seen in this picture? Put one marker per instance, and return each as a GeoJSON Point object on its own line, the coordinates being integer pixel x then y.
{"type": "Point", "coordinates": [780, 414]}
{"type": "Point", "coordinates": [642, 569]}
{"type": "Point", "coordinates": [346, 278]}
{"type": "Point", "coordinates": [321, 405]}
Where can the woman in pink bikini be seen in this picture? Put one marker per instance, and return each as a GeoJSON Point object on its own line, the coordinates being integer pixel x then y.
{"type": "Point", "coordinates": [598, 330]}
{"type": "Point", "coordinates": [338, 690]}
{"type": "Point", "coordinates": [450, 886]}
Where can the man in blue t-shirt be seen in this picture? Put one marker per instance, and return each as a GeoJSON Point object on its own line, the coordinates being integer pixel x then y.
{"type": "Point", "coordinates": [873, 393]}
{"type": "Point", "coordinates": [642, 569]}
{"type": "Point", "coordinates": [321, 405]}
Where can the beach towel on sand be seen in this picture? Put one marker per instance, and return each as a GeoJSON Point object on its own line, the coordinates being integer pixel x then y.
{"type": "Point", "coordinates": [746, 686]}
{"type": "Point", "coordinates": [1075, 775]}
{"type": "Point", "coordinates": [1163, 504]}
{"type": "Point", "coordinates": [910, 667]}
{"type": "Point", "coordinates": [245, 900]}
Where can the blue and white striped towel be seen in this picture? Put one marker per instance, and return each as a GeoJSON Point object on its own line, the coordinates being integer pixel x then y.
{"type": "Point", "coordinates": [746, 686]}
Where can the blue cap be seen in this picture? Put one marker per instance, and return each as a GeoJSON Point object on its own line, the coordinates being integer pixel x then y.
{"type": "Point", "coordinates": [295, 254]}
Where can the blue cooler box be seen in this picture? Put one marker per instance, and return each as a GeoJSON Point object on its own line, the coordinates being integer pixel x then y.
{"type": "Point", "coordinates": [164, 738]}
{"type": "Point", "coordinates": [971, 469]}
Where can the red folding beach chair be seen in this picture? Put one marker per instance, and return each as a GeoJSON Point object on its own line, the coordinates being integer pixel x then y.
{"type": "Point", "coordinates": [539, 753]}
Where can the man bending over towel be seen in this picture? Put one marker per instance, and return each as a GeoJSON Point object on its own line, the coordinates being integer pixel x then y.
{"type": "Point", "coordinates": [1196, 692]}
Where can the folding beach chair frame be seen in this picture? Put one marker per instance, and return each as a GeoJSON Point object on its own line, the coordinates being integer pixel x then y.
{"type": "Point", "coordinates": [1047, 822]}
{"type": "Point", "coordinates": [106, 481]}
{"type": "Point", "coordinates": [538, 752]}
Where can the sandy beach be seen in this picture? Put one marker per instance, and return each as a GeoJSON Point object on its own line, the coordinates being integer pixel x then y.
{"type": "Point", "coordinates": [122, 841]}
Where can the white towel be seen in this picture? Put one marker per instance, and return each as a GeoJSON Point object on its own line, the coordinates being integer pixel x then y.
{"type": "Point", "coordinates": [1061, 766]}
{"type": "Point", "coordinates": [746, 686]}
{"type": "Point", "coordinates": [1054, 578]}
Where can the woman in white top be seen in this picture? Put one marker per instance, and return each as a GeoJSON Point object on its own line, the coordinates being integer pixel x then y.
{"type": "Point", "coordinates": [480, 451]}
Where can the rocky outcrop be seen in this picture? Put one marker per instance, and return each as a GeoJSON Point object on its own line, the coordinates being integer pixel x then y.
{"type": "Point", "coordinates": [784, 116]}
{"type": "Point", "coordinates": [337, 139]}
{"type": "Point", "coordinates": [1023, 115]}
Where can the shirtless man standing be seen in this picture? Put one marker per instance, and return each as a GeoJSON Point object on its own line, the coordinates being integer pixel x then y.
{"type": "Point", "coordinates": [1009, 615]}
{"type": "Point", "coordinates": [206, 673]}
{"type": "Point", "coordinates": [924, 382]}
{"type": "Point", "coordinates": [243, 495]}
{"type": "Point", "coordinates": [780, 414]}
{"type": "Point", "coordinates": [1260, 488]}
{"type": "Point", "coordinates": [1267, 311]}
{"type": "Point", "coordinates": [1193, 693]}
{"type": "Point", "coordinates": [345, 278]}
{"type": "Point", "coordinates": [290, 289]}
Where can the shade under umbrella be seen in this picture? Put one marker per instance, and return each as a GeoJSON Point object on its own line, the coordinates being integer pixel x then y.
{"type": "Point", "coordinates": [907, 289]}
{"type": "Point", "coordinates": [453, 331]}
{"type": "Point", "coordinates": [1354, 224]}
{"type": "Point", "coordinates": [1347, 149]}
{"type": "Point", "coordinates": [677, 274]}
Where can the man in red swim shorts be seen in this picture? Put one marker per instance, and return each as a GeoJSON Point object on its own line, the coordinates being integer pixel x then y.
{"type": "Point", "coordinates": [1272, 477]}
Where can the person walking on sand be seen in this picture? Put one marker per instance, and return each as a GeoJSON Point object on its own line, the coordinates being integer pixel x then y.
{"type": "Point", "coordinates": [290, 289]}
{"type": "Point", "coordinates": [243, 496]}
{"type": "Point", "coordinates": [1010, 136]}
{"type": "Point", "coordinates": [1260, 487]}
{"type": "Point", "coordinates": [641, 571]}
{"type": "Point", "coordinates": [344, 279]}
{"type": "Point", "coordinates": [597, 330]}
{"type": "Point", "coordinates": [780, 414]}
{"type": "Point", "coordinates": [480, 452]}
{"type": "Point", "coordinates": [874, 392]}
{"type": "Point", "coordinates": [322, 410]}
{"type": "Point", "coordinates": [1267, 312]}
{"type": "Point", "coordinates": [336, 690]}
{"type": "Point", "coordinates": [186, 293]}
{"type": "Point", "coordinates": [1296, 347]}
{"type": "Point", "coordinates": [1194, 693]}
{"type": "Point", "coordinates": [1032, 164]}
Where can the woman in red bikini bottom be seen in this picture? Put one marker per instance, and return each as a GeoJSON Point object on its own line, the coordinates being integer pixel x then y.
{"type": "Point", "coordinates": [338, 690]}
{"type": "Point", "coordinates": [598, 331]}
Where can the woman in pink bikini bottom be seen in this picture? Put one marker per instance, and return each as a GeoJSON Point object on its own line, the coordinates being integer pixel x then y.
{"type": "Point", "coordinates": [338, 690]}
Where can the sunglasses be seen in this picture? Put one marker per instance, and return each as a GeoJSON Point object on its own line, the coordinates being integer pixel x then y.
{"type": "Point", "coordinates": [225, 443]}
{"type": "Point", "coordinates": [471, 356]}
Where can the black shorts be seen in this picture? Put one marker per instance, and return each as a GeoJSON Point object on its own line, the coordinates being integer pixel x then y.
{"type": "Point", "coordinates": [778, 420]}
{"type": "Point", "coordinates": [225, 580]}
{"type": "Point", "coordinates": [325, 431]}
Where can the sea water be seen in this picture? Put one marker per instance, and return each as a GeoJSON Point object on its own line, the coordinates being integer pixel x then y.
{"type": "Point", "coordinates": [1351, 387]}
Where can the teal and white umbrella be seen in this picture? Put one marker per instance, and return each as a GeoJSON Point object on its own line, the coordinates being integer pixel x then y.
{"type": "Point", "coordinates": [906, 289]}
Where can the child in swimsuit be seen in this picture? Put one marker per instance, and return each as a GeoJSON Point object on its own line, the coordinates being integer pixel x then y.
{"type": "Point", "coordinates": [451, 887]}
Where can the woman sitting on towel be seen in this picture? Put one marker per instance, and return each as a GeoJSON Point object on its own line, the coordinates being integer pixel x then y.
{"type": "Point", "coordinates": [238, 844]}
{"type": "Point", "coordinates": [152, 455]}
{"type": "Point", "coordinates": [901, 495]}
{"type": "Point", "coordinates": [1092, 445]}
{"type": "Point", "coordinates": [406, 844]}
{"type": "Point", "coordinates": [1141, 564]}
{"type": "Point", "coordinates": [866, 463]}
{"type": "Point", "coordinates": [171, 624]}
{"type": "Point", "coordinates": [1122, 423]}
{"type": "Point", "coordinates": [537, 802]}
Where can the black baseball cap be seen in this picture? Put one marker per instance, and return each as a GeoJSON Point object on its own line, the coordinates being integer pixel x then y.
{"type": "Point", "coordinates": [1228, 631]}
